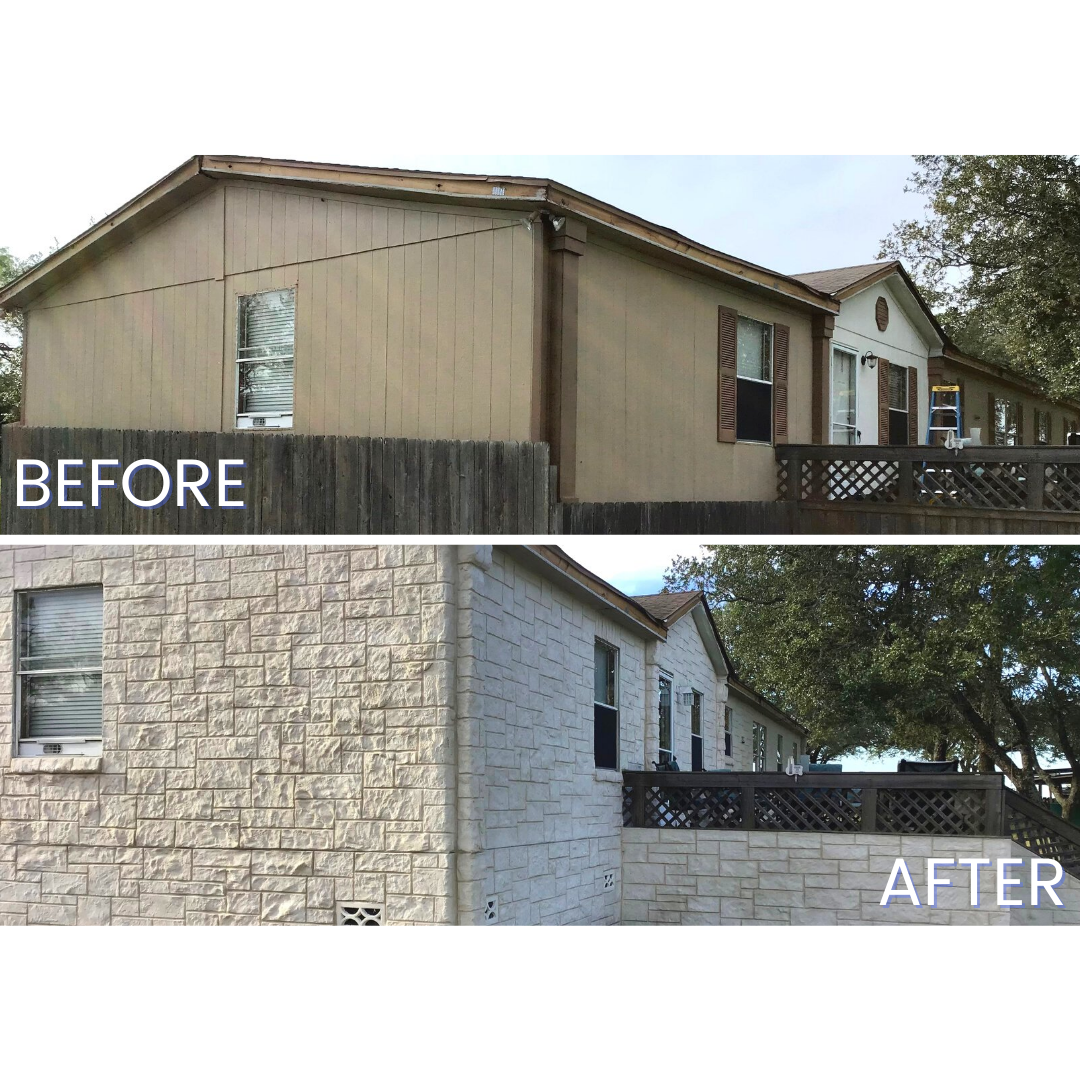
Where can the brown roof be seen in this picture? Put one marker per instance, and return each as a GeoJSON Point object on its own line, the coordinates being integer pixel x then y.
{"type": "Point", "coordinates": [663, 605]}
{"type": "Point", "coordinates": [532, 194]}
{"type": "Point", "coordinates": [843, 277]}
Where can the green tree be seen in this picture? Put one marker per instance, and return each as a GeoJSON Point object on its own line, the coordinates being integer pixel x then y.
{"type": "Point", "coordinates": [11, 330]}
{"type": "Point", "coordinates": [935, 650]}
{"type": "Point", "coordinates": [998, 254]}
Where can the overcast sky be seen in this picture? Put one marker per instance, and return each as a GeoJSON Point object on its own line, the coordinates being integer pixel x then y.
{"type": "Point", "coordinates": [790, 214]}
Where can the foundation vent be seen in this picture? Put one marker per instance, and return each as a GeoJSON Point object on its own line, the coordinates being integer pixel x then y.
{"type": "Point", "coordinates": [360, 915]}
{"type": "Point", "coordinates": [491, 909]}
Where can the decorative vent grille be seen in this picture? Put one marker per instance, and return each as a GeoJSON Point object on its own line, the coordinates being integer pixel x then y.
{"type": "Point", "coordinates": [360, 915]}
{"type": "Point", "coordinates": [52, 748]}
{"type": "Point", "coordinates": [609, 880]}
{"type": "Point", "coordinates": [491, 909]}
{"type": "Point", "coordinates": [881, 313]}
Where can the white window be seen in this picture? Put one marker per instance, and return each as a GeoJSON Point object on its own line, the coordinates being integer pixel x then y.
{"type": "Point", "coordinates": [727, 731]}
{"type": "Point", "coordinates": [753, 398]}
{"type": "Point", "coordinates": [779, 753]}
{"type": "Point", "coordinates": [605, 705]}
{"type": "Point", "coordinates": [898, 405]}
{"type": "Point", "coordinates": [760, 748]}
{"type": "Point", "coordinates": [58, 671]}
{"type": "Point", "coordinates": [1042, 427]}
{"type": "Point", "coordinates": [265, 335]}
{"type": "Point", "coordinates": [697, 739]}
{"type": "Point", "coordinates": [1004, 422]}
{"type": "Point", "coordinates": [845, 364]}
{"type": "Point", "coordinates": [666, 741]}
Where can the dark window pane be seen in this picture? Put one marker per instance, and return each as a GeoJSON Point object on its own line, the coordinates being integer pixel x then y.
{"type": "Point", "coordinates": [898, 428]}
{"type": "Point", "coordinates": [753, 416]}
{"type": "Point", "coordinates": [697, 753]}
{"type": "Point", "coordinates": [605, 737]}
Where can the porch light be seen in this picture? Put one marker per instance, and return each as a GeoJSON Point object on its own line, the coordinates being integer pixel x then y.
{"type": "Point", "coordinates": [869, 359]}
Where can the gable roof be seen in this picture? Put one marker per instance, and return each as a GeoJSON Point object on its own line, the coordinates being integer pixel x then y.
{"type": "Point", "coordinates": [842, 278]}
{"type": "Point", "coordinates": [664, 606]}
{"type": "Point", "coordinates": [530, 194]}
{"type": "Point", "coordinates": [669, 608]}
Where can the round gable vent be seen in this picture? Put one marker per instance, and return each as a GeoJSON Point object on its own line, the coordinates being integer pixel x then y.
{"type": "Point", "coordinates": [881, 313]}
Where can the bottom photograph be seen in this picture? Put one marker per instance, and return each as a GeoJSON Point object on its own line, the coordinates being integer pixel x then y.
{"type": "Point", "coordinates": [626, 731]}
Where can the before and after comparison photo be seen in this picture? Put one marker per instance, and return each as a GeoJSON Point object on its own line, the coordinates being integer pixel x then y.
{"type": "Point", "coordinates": [395, 538]}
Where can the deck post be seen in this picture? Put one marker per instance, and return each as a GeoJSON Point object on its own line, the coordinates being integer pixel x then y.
{"type": "Point", "coordinates": [869, 809]}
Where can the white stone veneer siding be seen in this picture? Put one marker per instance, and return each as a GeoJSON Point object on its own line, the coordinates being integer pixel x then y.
{"type": "Point", "coordinates": [737, 877]}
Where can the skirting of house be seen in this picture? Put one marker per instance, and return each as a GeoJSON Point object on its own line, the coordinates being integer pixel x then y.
{"type": "Point", "coordinates": [738, 877]}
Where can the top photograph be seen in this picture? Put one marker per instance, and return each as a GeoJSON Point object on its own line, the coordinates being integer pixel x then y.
{"type": "Point", "coordinates": [263, 346]}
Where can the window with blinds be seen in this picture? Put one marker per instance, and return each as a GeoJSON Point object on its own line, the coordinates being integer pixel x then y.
{"type": "Point", "coordinates": [265, 336]}
{"type": "Point", "coordinates": [58, 671]}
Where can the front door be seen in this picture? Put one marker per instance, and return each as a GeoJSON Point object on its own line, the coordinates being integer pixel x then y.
{"type": "Point", "coordinates": [844, 430]}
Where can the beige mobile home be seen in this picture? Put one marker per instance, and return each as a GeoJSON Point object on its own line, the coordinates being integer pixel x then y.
{"type": "Point", "coordinates": [246, 294]}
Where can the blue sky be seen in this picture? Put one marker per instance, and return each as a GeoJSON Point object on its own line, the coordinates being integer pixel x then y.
{"type": "Point", "coordinates": [789, 213]}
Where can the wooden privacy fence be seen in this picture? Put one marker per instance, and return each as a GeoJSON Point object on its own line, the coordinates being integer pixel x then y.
{"type": "Point", "coordinates": [682, 518]}
{"type": "Point", "coordinates": [307, 484]}
{"type": "Point", "coordinates": [945, 804]}
{"type": "Point", "coordinates": [987, 478]}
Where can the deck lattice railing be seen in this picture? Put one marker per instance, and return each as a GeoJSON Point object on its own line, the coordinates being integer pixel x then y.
{"type": "Point", "coordinates": [977, 478]}
{"type": "Point", "coordinates": [943, 804]}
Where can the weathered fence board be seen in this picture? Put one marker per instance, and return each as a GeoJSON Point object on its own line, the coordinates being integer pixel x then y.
{"type": "Point", "coordinates": [306, 484]}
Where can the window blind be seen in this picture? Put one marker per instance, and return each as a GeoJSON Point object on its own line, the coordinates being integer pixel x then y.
{"type": "Point", "coordinates": [59, 663]}
{"type": "Point", "coordinates": [265, 335]}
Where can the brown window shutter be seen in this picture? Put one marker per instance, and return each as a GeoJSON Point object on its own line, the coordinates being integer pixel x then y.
{"type": "Point", "coordinates": [1019, 423]}
{"type": "Point", "coordinates": [990, 434]}
{"type": "Point", "coordinates": [913, 406]}
{"type": "Point", "coordinates": [961, 400]}
{"type": "Point", "coordinates": [727, 339]}
{"type": "Point", "coordinates": [781, 346]}
{"type": "Point", "coordinates": [883, 402]}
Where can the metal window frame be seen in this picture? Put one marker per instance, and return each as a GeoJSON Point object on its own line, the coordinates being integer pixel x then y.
{"type": "Point", "coordinates": [614, 650]}
{"type": "Point", "coordinates": [666, 676]}
{"type": "Point", "coordinates": [93, 743]}
{"type": "Point", "coordinates": [277, 415]}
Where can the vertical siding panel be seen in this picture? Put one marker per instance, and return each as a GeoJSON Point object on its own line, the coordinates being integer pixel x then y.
{"type": "Point", "coordinates": [502, 298]}
{"type": "Point", "coordinates": [395, 330]}
{"type": "Point", "coordinates": [379, 226]}
{"type": "Point", "coordinates": [429, 225]}
{"type": "Point", "coordinates": [444, 370]}
{"type": "Point", "coordinates": [304, 230]}
{"type": "Point", "coordinates": [266, 229]}
{"type": "Point", "coordinates": [221, 353]}
{"type": "Point", "coordinates": [395, 226]}
{"type": "Point", "coordinates": [333, 228]}
{"type": "Point", "coordinates": [463, 338]}
{"type": "Point", "coordinates": [292, 228]}
{"type": "Point", "coordinates": [348, 227]}
{"type": "Point", "coordinates": [332, 349]}
{"type": "Point", "coordinates": [251, 230]}
{"type": "Point", "coordinates": [347, 356]}
{"type": "Point", "coordinates": [315, 311]}
{"type": "Point", "coordinates": [303, 350]}
{"type": "Point", "coordinates": [363, 227]}
{"type": "Point", "coordinates": [521, 375]}
{"type": "Point", "coordinates": [482, 309]}
{"type": "Point", "coordinates": [411, 389]}
{"type": "Point", "coordinates": [278, 201]}
{"type": "Point", "coordinates": [379, 302]}
{"type": "Point", "coordinates": [362, 393]}
{"type": "Point", "coordinates": [411, 227]}
{"type": "Point", "coordinates": [429, 336]}
{"type": "Point", "coordinates": [157, 332]}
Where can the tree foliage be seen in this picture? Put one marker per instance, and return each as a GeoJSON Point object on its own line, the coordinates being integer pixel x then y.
{"type": "Point", "coordinates": [935, 650]}
{"type": "Point", "coordinates": [998, 255]}
{"type": "Point", "coordinates": [11, 329]}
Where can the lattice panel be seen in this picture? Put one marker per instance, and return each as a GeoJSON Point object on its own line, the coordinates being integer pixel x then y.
{"type": "Point", "coordinates": [627, 805]}
{"type": "Point", "coordinates": [866, 481]}
{"type": "Point", "coordinates": [994, 485]}
{"type": "Point", "coordinates": [931, 812]}
{"type": "Point", "coordinates": [808, 809]}
{"type": "Point", "coordinates": [783, 470]}
{"type": "Point", "coordinates": [693, 808]}
{"type": "Point", "coordinates": [1062, 490]}
{"type": "Point", "coordinates": [1043, 841]}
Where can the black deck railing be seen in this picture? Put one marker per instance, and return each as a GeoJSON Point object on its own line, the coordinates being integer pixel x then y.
{"type": "Point", "coordinates": [976, 478]}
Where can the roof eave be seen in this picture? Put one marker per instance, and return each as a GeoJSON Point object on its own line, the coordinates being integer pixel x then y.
{"type": "Point", "coordinates": [114, 229]}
